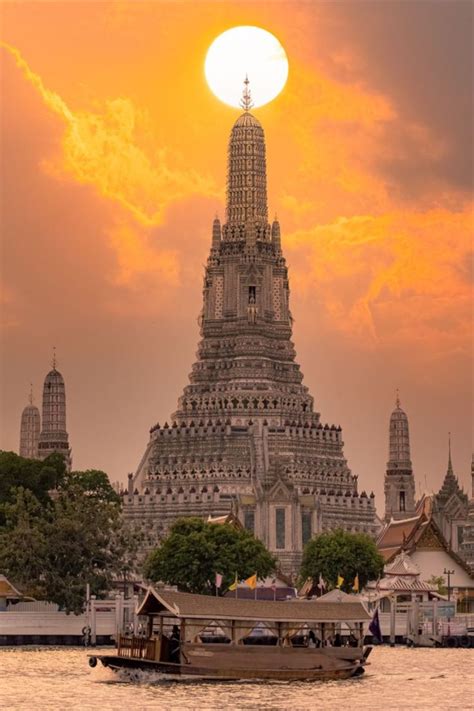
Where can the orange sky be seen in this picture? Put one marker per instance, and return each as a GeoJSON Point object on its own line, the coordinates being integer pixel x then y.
{"type": "Point", "coordinates": [114, 160]}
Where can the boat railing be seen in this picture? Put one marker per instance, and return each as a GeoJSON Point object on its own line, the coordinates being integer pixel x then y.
{"type": "Point", "coordinates": [137, 647]}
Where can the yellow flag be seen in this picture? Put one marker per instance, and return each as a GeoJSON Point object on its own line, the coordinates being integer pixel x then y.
{"type": "Point", "coordinates": [252, 581]}
{"type": "Point", "coordinates": [234, 584]}
{"type": "Point", "coordinates": [355, 587]}
{"type": "Point", "coordinates": [340, 581]}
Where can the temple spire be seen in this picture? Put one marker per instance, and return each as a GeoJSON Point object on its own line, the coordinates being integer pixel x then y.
{"type": "Point", "coordinates": [397, 399]}
{"type": "Point", "coordinates": [246, 101]}
{"type": "Point", "coordinates": [54, 436]}
{"type": "Point", "coordinates": [399, 440]}
{"type": "Point", "coordinates": [472, 477]}
{"type": "Point", "coordinates": [399, 483]}
{"type": "Point", "coordinates": [246, 209]}
{"type": "Point", "coordinates": [450, 464]}
{"type": "Point", "coordinates": [30, 429]}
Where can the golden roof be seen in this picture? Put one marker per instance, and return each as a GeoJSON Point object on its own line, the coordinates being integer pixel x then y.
{"type": "Point", "coordinates": [7, 589]}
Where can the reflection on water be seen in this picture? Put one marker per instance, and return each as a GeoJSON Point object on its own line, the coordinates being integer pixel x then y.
{"type": "Point", "coordinates": [60, 679]}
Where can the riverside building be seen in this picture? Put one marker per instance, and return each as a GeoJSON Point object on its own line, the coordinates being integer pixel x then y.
{"type": "Point", "coordinates": [245, 436]}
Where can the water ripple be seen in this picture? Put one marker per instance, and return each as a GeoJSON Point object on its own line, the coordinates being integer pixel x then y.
{"type": "Point", "coordinates": [59, 679]}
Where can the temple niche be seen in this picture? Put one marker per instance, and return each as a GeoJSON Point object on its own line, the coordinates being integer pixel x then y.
{"type": "Point", "coordinates": [245, 436]}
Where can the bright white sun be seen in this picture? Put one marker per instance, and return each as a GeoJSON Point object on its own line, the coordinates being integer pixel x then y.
{"type": "Point", "coordinates": [242, 51]}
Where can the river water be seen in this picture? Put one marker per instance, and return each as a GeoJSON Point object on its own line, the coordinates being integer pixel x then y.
{"type": "Point", "coordinates": [59, 679]}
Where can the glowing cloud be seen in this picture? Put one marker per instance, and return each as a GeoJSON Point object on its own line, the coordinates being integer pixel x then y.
{"type": "Point", "coordinates": [390, 278]}
{"type": "Point", "coordinates": [104, 150]}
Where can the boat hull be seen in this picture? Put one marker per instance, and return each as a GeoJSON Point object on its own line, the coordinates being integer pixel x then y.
{"type": "Point", "coordinates": [226, 663]}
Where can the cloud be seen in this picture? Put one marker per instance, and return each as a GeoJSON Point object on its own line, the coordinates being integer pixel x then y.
{"type": "Point", "coordinates": [136, 257]}
{"type": "Point", "coordinates": [113, 151]}
{"type": "Point", "coordinates": [392, 278]}
{"type": "Point", "coordinates": [418, 55]}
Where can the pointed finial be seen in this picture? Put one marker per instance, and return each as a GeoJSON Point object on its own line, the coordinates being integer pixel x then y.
{"type": "Point", "coordinates": [30, 398]}
{"type": "Point", "coordinates": [246, 102]}
{"type": "Point", "coordinates": [450, 464]}
{"type": "Point", "coordinates": [54, 358]}
{"type": "Point", "coordinates": [397, 401]}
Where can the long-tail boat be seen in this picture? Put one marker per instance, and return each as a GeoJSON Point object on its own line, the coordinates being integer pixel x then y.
{"type": "Point", "coordinates": [223, 638]}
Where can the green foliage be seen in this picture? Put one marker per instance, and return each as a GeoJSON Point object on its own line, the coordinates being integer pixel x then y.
{"type": "Point", "coordinates": [194, 551]}
{"type": "Point", "coordinates": [23, 544]}
{"type": "Point", "coordinates": [342, 553]}
{"type": "Point", "coordinates": [440, 583]}
{"type": "Point", "coordinates": [52, 548]}
{"type": "Point", "coordinates": [39, 477]}
{"type": "Point", "coordinates": [94, 483]}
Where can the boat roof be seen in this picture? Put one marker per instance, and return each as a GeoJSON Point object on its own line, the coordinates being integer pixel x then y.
{"type": "Point", "coordinates": [187, 605]}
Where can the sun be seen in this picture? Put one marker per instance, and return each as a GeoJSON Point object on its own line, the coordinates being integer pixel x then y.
{"type": "Point", "coordinates": [241, 51]}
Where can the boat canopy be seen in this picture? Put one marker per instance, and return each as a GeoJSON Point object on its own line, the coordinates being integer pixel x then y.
{"type": "Point", "coordinates": [188, 606]}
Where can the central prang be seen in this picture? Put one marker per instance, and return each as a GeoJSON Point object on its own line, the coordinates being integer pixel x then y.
{"type": "Point", "coordinates": [245, 436]}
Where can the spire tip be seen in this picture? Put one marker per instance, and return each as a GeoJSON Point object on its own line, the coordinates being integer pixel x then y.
{"type": "Point", "coordinates": [450, 464]}
{"type": "Point", "coordinates": [246, 101]}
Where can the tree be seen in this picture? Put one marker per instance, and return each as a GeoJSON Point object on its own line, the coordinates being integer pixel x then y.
{"type": "Point", "coordinates": [39, 476]}
{"type": "Point", "coordinates": [341, 553]}
{"type": "Point", "coordinates": [23, 543]}
{"type": "Point", "coordinates": [439, 582]}
{"type": "Point", "coordinates": [79, 550]}
{"type": "Point", "coordinates": [94, 483]}
{"type": "Point", "coordinates": [52, 550]}
{"type": "Point", "coordinates": [194, 551]}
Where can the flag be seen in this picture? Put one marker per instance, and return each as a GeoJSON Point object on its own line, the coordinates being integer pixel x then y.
{"type": "Point", "coordinates": [340, 581]}
{"type": "Point", "coordinates": [374, 627]}
{"type": "Point", "coordinates": [355, 587]}
{"type": "Point", "coordinates": [218, 580]}
{"type": "Point", "coordinates": [234, 584]}
{"type": "Point", "coordinates": [321, 585]}
{"type": "Point", "coordinates": [252, 581]}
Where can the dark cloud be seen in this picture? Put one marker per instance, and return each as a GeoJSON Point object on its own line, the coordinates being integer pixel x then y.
{"type": "Point", "coordinates": [420, 54]}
